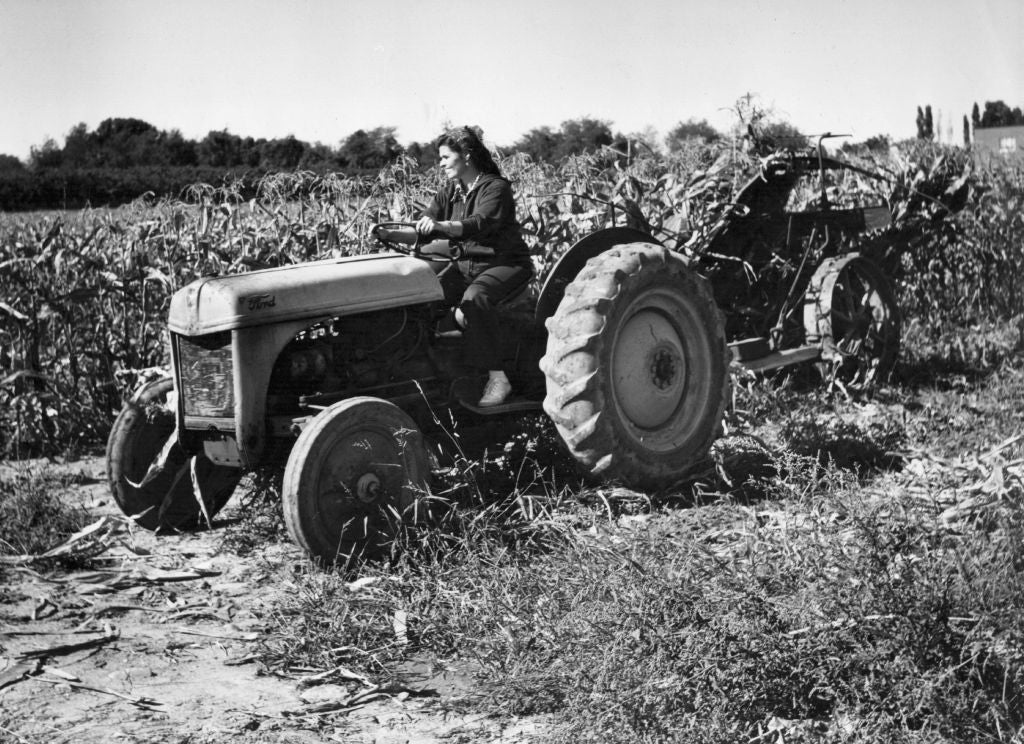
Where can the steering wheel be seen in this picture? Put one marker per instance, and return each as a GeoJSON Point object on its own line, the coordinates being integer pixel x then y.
{"type": "Point", "coordinates": [393, 245]}
{"type": "Point", "coordinates": [415, 248]}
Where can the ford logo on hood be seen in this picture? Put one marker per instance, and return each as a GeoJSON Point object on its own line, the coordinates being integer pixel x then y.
{"type": "Point", "coordinates": [261, 301]}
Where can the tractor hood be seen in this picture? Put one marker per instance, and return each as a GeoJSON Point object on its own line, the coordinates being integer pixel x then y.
{"type": "Point", "coordinates": [317, 289]}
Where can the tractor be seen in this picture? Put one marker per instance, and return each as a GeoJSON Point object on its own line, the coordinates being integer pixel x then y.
{"type": "Point", "coordinates": [334, 368]}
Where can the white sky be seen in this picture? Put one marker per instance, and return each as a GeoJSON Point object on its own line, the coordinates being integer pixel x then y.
{"type": "Point", "coordinates": [320, 69]}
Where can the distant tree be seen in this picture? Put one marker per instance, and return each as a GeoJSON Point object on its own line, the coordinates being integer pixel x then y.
{"type": "Point", "coordinates": [124, 142]}
{"type": "Point", "coordinates": [691, 130]}
{"type": "Point", "coordinates": [783, 134]}
{"type": "Point", "coordinates": [424, 153]}
{"type": "Point", "coordinates": [416, 150]}
{"type": "Point", "coordinates": [364, 150]}
{"type": "Point", "coordinates": [220, 150]}
{"type": "Point", "coordinates": [583, 135]}
{"type": "Point", "coordinates": [925, 124]}
{"type": "Point", "coordinates": [878, 143]}
{"type": "Point", "coordinates": [178, 150]}
{"type": "Point", "coordinates": [358, 150]}
{"type": "Point", "coordinates": [575, 137]}
{"type": "Point", "coordinates": [10, 164]}
{"type": "Point", "coordinates": [975, 116]}
{"type": "Point", "coordinates": [387, 144]}
{"type": "Point", "coordinates": [125, 128]}
{"type": "Point", "coordinates": [78, 148]}
{"type": "Point", "coordinates": [46, 156]}
{"type": "Point", "coordinates": [318, 157]}
{"type": "Point", "coordinates": [250, 151]}
{"type": "Point", "coordinates": [998, 114]}
{"type": "Point", "coordinates": [967, 132]}
{"type": "Point", "coordinates": [282, 154]}
{"type": "Point", "coordinates": [542, 144]}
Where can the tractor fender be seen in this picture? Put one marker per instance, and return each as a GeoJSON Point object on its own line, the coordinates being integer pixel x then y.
{"type": "Point", "coordinates": [573, 260]}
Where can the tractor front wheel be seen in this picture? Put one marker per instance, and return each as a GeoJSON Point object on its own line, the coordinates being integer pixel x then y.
{"type": "Point", "coordinates": [357, 470]}
{"type": "Point", "coordinates": [151, 478]}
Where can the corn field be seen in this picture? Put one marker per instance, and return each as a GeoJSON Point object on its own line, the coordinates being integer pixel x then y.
{"type": "Point", "coordinates": [84, 295]}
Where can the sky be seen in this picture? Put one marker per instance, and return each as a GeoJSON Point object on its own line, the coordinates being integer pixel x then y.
{"type": "Point", "coordinates": [321, 69]}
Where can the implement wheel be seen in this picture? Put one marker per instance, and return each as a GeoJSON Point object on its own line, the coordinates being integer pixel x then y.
{"type": "Point", "coordinates": [151, 477]}
{"type": "Point", "coordinates": [637, 367]}
{"type": "Point", "coordinates": [357, 470]}
{"type": "Point", "coordinates": [852, 311]}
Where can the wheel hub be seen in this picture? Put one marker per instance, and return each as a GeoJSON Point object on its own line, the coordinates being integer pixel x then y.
{"type": "Point", "coordinates": [663, 368]}
{"type": "Point", "coordinates": [649, 369]}
{"type": "Point", "coordinates": [368, 488]}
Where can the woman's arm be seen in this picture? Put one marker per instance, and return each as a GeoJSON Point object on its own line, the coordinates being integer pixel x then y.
{"type": "Point", "coordinates": [434, 217]}
{"type": "Point", "coordinates": [450, 228]}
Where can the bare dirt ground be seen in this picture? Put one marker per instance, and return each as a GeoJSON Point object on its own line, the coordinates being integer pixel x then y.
{"type": "Point", "coordinates": [157, 641]}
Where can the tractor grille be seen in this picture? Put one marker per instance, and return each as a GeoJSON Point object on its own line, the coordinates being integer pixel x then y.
{"type": "Point", "coordinates": [207, 382]}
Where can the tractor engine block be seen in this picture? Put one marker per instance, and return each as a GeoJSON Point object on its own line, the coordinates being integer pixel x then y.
{"type": "Point", "coordinates": [351, 354]}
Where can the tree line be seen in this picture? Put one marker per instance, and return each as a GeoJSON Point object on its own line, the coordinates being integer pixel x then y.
{"type": "Point", "coordinates": [131, 143]}
{"type": "Point", "coordinates": [123, 158]}
{"type": "Point", "coordinates": [996, 114]}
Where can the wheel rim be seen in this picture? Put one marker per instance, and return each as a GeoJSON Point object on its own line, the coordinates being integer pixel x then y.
{"type": "Point", "coordinates": [659, 370]}
{"type": "Point", "coordinates": [354, 476]}
{"type": "Point", "coordinates": [649, 369]}
{"type": "Point", "coordinates": [362, 478]}
{"type": "Point", "coordinates": [862, 324]}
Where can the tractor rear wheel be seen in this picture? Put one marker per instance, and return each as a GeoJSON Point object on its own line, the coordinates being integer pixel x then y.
{"type": "Point", "coordinates": [151, 477]}
{"type": "Point", "coordinates": [637, 366]}
{"type": "Point", "coordinates": [356, 472]}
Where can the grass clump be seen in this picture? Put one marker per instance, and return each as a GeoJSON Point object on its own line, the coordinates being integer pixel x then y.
{"type": "Point", "coordinates": [34, 516]}
{"type": "Point", "coordinates": [260, 514]}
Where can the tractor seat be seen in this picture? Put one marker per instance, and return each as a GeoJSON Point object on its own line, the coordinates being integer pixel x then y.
{"type": "Point", "coordinates": [521, 298]}
{"type": "Point", "coordinates": [519, 302]}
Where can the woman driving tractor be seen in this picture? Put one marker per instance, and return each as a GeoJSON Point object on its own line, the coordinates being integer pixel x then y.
{"type": "Point", "coordinates": [477, 210]}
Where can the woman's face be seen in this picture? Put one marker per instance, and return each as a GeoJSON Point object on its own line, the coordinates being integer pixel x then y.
{"type": "Point", "coordinates": [453, 163]}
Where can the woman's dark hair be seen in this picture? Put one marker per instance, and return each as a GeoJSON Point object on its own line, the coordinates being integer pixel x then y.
{"type": "Point", "coordinates": [467, 143]}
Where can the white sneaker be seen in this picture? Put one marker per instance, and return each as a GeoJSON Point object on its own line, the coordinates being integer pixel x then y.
{"type": "Point", "coordinates": [496, 392]}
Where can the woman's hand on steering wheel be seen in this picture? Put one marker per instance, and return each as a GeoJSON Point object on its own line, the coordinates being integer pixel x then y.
{"type": "Point", "coordinates": [426, 225]}
{"type": "Point", "coordinates": [408, 238]}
